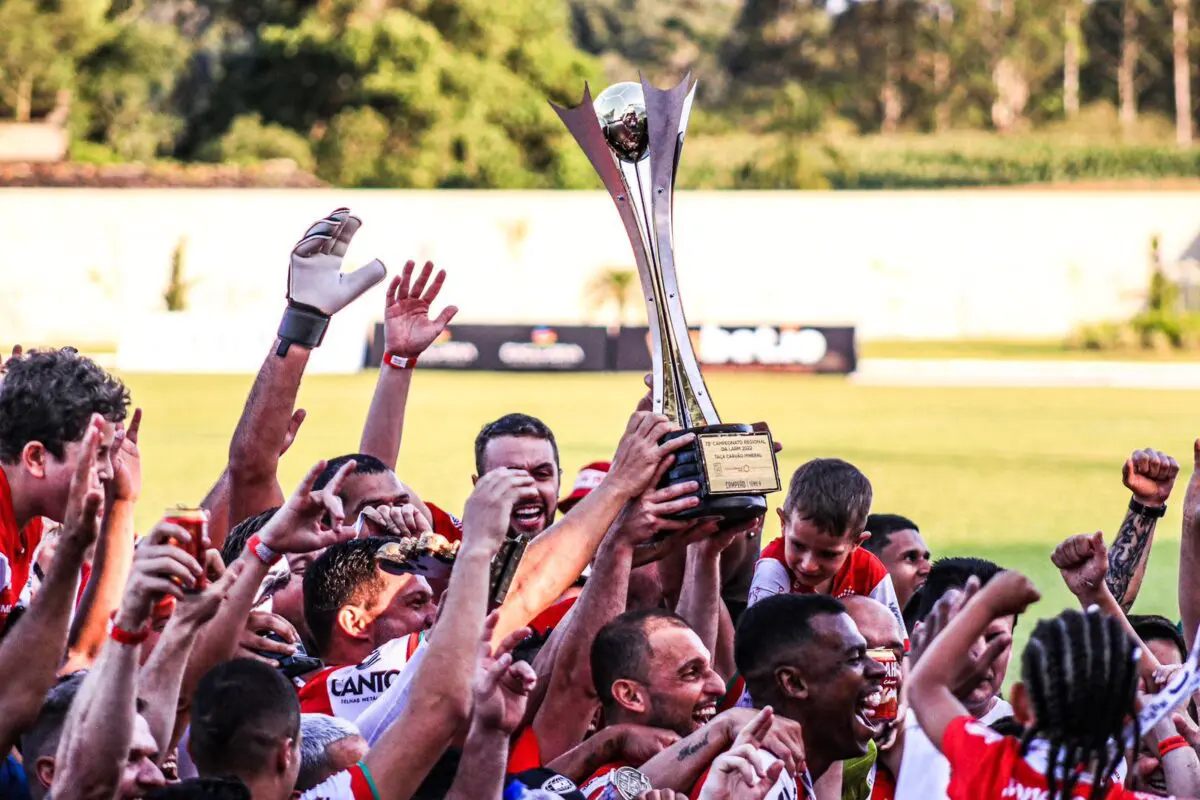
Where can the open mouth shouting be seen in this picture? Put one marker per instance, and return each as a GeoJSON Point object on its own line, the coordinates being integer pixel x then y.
{"type": "Point", "coordinates": [703, 714]}
{"type": "Point", "coordinates": [529, 519]}
{"type": "Point", "coordinates": [865, 725]}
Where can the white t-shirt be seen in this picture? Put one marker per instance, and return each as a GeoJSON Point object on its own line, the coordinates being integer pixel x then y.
{"type": "Point", "coordinates": [374, 721]}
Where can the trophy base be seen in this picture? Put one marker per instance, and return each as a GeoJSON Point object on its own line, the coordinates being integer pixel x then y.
{"type": "Point", "coordinates": [735, 467]}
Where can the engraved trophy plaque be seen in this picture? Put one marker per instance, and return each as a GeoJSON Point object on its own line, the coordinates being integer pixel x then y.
{"type": "Point", "coordinates": [633, 135]}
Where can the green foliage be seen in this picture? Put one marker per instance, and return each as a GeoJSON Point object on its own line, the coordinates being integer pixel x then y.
{"type": "Point", "coordinates": [176, 294]}
{"type": "Point", "coordinates": [249, 141]}
{"type": "Point", "coordinates": [615, 288]}
{"type": "Point", "coordinates": [453, 93]}
{"type": "Point", "coordinates": [1163, 324]}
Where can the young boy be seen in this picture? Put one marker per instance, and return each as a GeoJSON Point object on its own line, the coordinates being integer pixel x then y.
{"type": "Point", "coordinates": [824, 523]}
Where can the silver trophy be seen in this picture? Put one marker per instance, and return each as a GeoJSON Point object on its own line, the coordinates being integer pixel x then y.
{"type": "Point", "coordinates": [633, 135]}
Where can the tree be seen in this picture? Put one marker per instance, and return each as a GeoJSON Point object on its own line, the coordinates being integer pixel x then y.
{"type": "Point", "coordinates": [39, 48]}
{"type": "Point", "coordinates": [1127, 73]}
{"type": "Point", "coordinates": [615, 288]}
{"type": "Point", "coordinates": [1072, 41]}
{"type": "Point", "coordinates": [1183, 74]}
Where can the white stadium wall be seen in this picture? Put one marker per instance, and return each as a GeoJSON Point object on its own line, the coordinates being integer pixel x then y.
{"type": "Point", "coordinates": [91, 265]}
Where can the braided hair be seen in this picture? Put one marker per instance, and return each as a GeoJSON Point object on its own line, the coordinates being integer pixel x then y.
{"type": "Point", "coordinates": [1081, 674]}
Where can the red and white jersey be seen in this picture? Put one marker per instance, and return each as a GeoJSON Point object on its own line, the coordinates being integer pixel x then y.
{"type": "Point", "coordinates": [863, 574]}
{"type": "Point", "coordinates": [347, 691]}
{"type": "Point", "coordinates": [16, 551]}
{"type": "Point", "coordinates": [350, 784]}
{"type": "Point", "coordinates": [984, 764]}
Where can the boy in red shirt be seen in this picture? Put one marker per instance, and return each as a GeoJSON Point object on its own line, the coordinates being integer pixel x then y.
{"type": "Point", "coordinates": [824, 521]}
{"type": "Point", "coordinates": [1079, 683]}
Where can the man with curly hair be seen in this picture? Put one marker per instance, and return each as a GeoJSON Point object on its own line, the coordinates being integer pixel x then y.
{"type": "Point", "coordinates": [48, 400]}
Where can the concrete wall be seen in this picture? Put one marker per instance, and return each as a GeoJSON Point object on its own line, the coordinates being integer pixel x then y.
{"type": "Point", "coordinates": [80, 265]}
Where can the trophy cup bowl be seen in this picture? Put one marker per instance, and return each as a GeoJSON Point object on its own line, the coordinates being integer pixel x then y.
{"type": "Point", "coordinates": [633, 135]}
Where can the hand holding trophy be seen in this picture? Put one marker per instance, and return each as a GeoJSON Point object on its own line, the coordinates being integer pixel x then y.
{"type": "Point", "coordinates": [633, 135]}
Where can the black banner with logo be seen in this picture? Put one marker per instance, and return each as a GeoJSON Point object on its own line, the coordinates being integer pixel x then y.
{"type": "Point", "coordinates": [512, 348]}
{"type": "Point", "coordinates": [577, 348]}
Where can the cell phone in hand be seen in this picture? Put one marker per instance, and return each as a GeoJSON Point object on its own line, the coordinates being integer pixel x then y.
{"type": "Point", "coordinates": [295, 665]}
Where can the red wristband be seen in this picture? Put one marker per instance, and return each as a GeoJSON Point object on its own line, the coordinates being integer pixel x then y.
{"type": "Point", "coordinates": [122, 636]}
{"type": "Point", "coordinates": [262, 552]}
{"type": "Point", "coordinates": [1170, 743]}
{"type": "Point", "coordinates": [397, 361]}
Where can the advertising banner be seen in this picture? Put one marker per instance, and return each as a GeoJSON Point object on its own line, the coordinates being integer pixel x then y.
{"type": "Point", "coordinates": [528, 348]}
{"type": "Point", "coordinates": [512, 348]}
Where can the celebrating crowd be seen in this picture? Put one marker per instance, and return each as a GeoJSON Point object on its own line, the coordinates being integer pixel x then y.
{"type": "Point", "coordinates": [355, 640]}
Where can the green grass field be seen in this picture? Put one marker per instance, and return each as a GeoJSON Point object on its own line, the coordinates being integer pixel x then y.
{"type": "Point", "coordinates": [999, 473]}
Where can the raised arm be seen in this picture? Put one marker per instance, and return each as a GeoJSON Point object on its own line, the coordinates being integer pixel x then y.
{"type": "Point", "coordinates": [114, 551]}
{"type": "Point", "coordinates": [1082, 562]}
{"type": "Point", "coordinates": [501, 691]}
{"type": "Point", "coordinates": [440, 700]}
{"type": "Point", "coordinates": [930, 684]}
{"type": "Point", "coordinates": [316, 291]}
{"type": "Point", "coordinates": [566, 712]}
{"type": "Point", "coordinates": [162, 677]}
{"type": "Point", "coordinates": [700, 600]}
{"type": "Point", "coordinates": [96, 739]}
{"type": "Point", "coordinates": [1150, 476]}
{"type": "Point", "coordinates": [296, 528]}
{"type": "Point", "coordinates": [556, 558]}
{"type": "Point", "coordinates": [31, 652]}
{"type": "Point", "coordinates": [1189, 554]}
{"type": "Point", "coordinates": [408, 332]}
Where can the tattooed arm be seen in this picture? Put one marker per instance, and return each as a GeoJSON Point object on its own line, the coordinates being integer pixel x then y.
{"type": "Point", "coordinates": [1150, 475]}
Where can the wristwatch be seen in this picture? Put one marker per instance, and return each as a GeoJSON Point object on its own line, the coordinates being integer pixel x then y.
{"type": "Point", "coordinates": [1150, 512]}
{"type": "Point", "coordinates": [627, 783]}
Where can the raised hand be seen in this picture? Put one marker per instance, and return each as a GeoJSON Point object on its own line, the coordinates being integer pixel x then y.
{"type": "Point", "coordinates": [298, 417]}
{"type": "Point", "coordinates": [502, 686]}
{"type": "Point", "coordinates": [1083, 563]}
{"type": "Point", "coordinates": [85, 497]}
{"type": "Point", "coordinates": [1150, 475]}
{"type": "Point", "coordinates": [196, 608]}
{"type": "Point", "coordinates": [782, 737]}
{"type": "Point", "coordinates": [639, 457]}
{"type": "Point", "coordinates": [489, 508]}
{"type": "Point", "coordinates": [976, 663]}
{"type": "Point", "coordinates": [1010, 593]}
{"type": "Point", "coordinates": [127, 461]}
{"type": "Point", "coordinates": [300, 527]}
{"type": "Point", "coordinates": [405, 520]}
{"type": "Point", "coordinates": [746, 770]}
{"type": "Point", "coordinates": [159, 568]}
{"type": "Point", "coordinates": [407, 326]}
{"type": "Point", "coordinates": [315, 280]}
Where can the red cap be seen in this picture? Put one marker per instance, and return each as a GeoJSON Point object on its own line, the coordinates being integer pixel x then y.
{"type": "Point", "coordinates": [589, 478]}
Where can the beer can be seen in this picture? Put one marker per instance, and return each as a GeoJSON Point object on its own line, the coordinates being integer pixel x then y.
{"type": "Point", "coordinates": [195, 522]}
{"type": "Point", "coordinates": [887, 710]}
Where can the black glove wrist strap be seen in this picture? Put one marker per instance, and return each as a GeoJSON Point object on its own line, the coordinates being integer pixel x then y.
{"type": "Point", "coordinates": [301, 325]}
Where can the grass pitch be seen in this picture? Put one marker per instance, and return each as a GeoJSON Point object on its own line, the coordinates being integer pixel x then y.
{"type": "Point", "coordinates": [1000, 473]}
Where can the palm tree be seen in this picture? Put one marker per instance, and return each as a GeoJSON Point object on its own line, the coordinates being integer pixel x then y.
{"type": "Point", "coordinates": [613, 287]}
